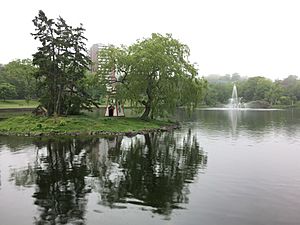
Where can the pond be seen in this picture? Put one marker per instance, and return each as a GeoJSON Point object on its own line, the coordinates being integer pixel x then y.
{"type": "Point", "coordinates": [221, 168]}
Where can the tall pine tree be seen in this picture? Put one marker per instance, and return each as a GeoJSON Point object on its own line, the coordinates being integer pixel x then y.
{"type": "Point", "coordinates": [62, 60]}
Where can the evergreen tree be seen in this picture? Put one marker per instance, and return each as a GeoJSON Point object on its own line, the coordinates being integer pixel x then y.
{"type": "Point", "coordinates": [62, 61]}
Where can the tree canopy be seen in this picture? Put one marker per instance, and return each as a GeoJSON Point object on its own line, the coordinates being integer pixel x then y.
{"type": "Point", "coordinates": [62, 61]}
{"type": "Point", "coordinates": [154, 73]}
{"type": "Point", "coordinates": [20, 73]}
{"type": "Point", "coordinates": [7, 91]}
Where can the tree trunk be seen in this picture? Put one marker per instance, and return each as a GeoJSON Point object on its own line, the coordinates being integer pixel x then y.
{"type": "Point", "coordinates": [146, 113]}
{"type": "Point", "coordinates": [147, 104]}
{"type": "Point", "coordinates": [58, 102]}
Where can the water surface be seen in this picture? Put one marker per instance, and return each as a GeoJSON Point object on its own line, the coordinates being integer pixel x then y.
{"type": "Point", "coordinates": [222, 167]}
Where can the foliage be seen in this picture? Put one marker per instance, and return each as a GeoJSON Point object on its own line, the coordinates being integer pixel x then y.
{"type": "Point", "coordinates": [7, 91]}
{"type": "Point", "coordinates": [260, 89]}
{"type": "Point", "coordinates": [94, 86]}
{"type": "Point", "coordinates": [210, 97]}
{"type": "Point", "coordinates": [291, 87]}
{"type": "Point", "coordinates": [254, 88]}
{"type": "Point", "coordinates": [74, 124]}
{"type": "Point", "coordinates": [274, 93]}
{"type": "Point", "coordinates": [2, 74]}
{"type": "Point", "coordinates": [285, 92]}
{"type": "Point", "coordinates": [62, 60]}
{"type": "Point", "coordinates": [154, 73]}
{"type": "Point", "coordinates": [285, 100]}
{"type": "Point", "coordinates": [20, 73]}
{"type": "Point", "coordinates": [218, 93]}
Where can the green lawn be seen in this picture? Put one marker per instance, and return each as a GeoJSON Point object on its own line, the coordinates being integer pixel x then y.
{"type": "Point", "coordinates": [18, 104]}
{"type": "Point", "coordinates": [33, 125]}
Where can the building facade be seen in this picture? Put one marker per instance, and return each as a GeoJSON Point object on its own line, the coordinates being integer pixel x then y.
{"type": "Point", "coordinates": [113, 106]}
{"type": "Point", "coordinates": [93, 52]}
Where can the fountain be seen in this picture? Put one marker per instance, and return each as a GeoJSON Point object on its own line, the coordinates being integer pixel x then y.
{"type": "Point", "coordinates": [235, 104]}
{"type": "Point", "coordinates": [234, 101]}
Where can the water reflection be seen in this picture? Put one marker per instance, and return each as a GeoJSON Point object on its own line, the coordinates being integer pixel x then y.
{"type": "Point", "coordinates": [233, 119]}
{"type": "Point", "coordinates": [253, 168]}
{"type": "Point", "coordinates": [254, 123]}
{"type": "Point", "coordinates": [151, 171]}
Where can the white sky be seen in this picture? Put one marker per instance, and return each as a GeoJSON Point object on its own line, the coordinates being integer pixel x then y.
{"type": "Point", "coordinates": [251, 37]}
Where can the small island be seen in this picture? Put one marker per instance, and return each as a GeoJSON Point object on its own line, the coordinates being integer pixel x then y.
{"type": "Point", "coordinates": [29, 125]}
{"type": "Point", "coordinates": [66, 84]}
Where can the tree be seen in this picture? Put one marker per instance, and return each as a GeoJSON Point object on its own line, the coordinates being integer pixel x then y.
{"type": "Point", "coordinates": [155, 73]}
{"type": "Point", "coordinates": [274, 93]}
{"type": "Point", "coordinates": [1, 68]}
{"type": "Point", "coordinates": [210, 95]}
{"type": "Point", "coordinates": [95, 87]}
{"type": "Point", "coordinates": [296, 90]}
{"type": "Point", "coordinates": [218, 93]}
{"type": "Point", "coordinates": [20, 73]}
{"type": "Point", "coordinates": [62, 61]}
{"type": "Point", "coordinates": [256, 88]}
{"type": "Point", "coordinates": [7, 91]}
{"type": "Point", "coordinates": [291, 87]}
{"type": "Point", "coordinates": [235, 77]}
{"type": "Point", "coordinates": [2, 74]}
{"type": "Point", "coordinates": [289, 81]}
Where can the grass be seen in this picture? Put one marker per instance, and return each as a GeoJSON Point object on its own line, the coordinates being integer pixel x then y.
{"type": "Point", "coordinates": [18, 104]}
{"type": "Point", "coordinates": [33, 125]}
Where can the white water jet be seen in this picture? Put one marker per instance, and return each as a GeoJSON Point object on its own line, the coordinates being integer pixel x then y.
{"type": "Point", "coordinates": [234, 101]}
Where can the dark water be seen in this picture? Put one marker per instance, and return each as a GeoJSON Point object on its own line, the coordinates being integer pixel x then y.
{"type": "Point", "coordinates": [222, 167]}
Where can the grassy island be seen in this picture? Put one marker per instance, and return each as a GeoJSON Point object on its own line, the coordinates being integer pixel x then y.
{"type": "Point", "coordinates": [29, 125]}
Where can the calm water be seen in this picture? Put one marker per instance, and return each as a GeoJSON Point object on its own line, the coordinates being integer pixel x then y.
{"type": "Point", "coordinates": [222, 167]}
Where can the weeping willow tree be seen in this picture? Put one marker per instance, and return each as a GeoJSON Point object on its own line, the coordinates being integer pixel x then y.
{"type": "Point", "coordinates": [154, 73]}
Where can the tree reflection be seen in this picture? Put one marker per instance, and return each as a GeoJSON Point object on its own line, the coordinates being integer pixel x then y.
{"type": "Point", "coordinates": [61, 188]}
{"type": "Point", "coordinates": [153, 171]}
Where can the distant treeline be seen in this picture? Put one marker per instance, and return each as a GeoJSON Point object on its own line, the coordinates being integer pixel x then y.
{"type": "Point", "coordinates": [279, 92]}
{"type": "Point", "coordinates": [17, 80]}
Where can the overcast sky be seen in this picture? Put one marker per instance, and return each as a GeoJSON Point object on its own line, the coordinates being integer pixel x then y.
{"type": "Point", "coordinates": [251, 37]}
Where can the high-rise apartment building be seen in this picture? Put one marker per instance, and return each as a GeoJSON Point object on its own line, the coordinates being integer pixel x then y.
{"type": "Point", "coordinates": [113, 106]}
{"type": "Point", "coordinates": [94, 50]}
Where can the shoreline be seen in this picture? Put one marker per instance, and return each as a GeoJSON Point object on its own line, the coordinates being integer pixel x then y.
{"type": "Point", "coordinates": [92, 133]}
{"type": "Point", "coordinates": [31, 126]}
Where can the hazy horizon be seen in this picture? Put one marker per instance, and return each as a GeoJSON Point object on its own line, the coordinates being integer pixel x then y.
{"type": "Point", "coordinates": [252, 38]}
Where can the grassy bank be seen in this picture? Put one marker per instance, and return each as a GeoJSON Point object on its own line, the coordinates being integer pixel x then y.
{"type": "Point", "coordinates": [18, 104]}
{"type": "Point", "coordinates": [76, 125]}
